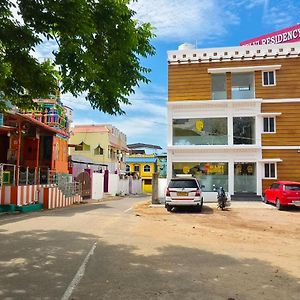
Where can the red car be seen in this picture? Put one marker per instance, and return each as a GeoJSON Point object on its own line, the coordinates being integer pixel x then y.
{"type": "Point", "coordinates": [283, 193]}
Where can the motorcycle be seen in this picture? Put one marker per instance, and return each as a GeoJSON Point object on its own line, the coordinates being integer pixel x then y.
{"type": "Point", "coordinates": [221, 197]}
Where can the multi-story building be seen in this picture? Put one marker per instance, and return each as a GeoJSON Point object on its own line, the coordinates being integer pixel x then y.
{"type": "Point", "coordinates": [233, 115]}
{"type": "Point", "coordinates": [102, 144]}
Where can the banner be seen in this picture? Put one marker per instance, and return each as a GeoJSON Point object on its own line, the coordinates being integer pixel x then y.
{"type": "Point", "coordinates": [287, 35]}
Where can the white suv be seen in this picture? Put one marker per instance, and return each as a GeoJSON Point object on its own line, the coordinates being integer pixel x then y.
{"type": "Point", "coordinates": [183, 192]}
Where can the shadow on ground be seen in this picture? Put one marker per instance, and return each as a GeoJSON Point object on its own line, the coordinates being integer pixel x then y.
{"type": "Point", "coordinates": [193, 210]}
{"type": "Point", "coordinates": [41, 264]}
{"type": "Point", "coordinates": [7, 218]}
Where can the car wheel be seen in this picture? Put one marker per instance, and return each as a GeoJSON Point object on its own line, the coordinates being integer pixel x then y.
{"type": "Point", "coordinates": [278, 204]}
{"type": "Point", "coordinates": [199, 208]}
{"type": "Point", "coordinates": [169, 208]}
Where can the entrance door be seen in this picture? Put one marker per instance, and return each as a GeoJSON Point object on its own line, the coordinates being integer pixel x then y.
{"type": "Point", "coordinates": [244, 177]}
{"type": "Point", "coordinates": [85, 179]}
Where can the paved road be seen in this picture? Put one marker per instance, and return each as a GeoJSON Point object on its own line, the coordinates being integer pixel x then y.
{"type": "Point", "coordinates": [99, 251]}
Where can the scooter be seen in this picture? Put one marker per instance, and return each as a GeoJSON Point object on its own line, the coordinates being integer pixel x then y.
{"type": "Point", "coordinates": [221, 197]}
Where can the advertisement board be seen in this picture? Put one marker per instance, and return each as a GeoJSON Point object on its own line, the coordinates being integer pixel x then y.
{"type": "Point", "coordinates": [287, 35]}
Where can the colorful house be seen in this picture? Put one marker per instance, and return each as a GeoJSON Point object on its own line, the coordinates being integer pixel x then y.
{"type": "Point", "coordinates": [141, 162]}
{"type": "Point", "coordinates": [233, 116]}
{"type": "Point", "coordinates": [144, 166]}
{"type": "Point", "coordinates": [101, 144]}
{"type": "Point", "coordinates": [33, 152]}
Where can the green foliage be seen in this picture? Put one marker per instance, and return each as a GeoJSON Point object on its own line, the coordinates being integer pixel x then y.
{"type": "Point", "coordinates": [99, 46]}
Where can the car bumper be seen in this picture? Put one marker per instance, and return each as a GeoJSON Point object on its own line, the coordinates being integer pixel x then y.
{"type": "Point", "coordinates": [294, 203]}
{"type": "Point", "coordinates": [171, 202]}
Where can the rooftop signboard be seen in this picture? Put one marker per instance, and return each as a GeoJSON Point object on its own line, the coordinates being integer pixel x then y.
{"type": "Point", "coordinates": [287, 35]}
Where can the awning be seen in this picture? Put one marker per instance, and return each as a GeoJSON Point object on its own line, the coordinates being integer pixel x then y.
{"type": "Point", "coordinates": [270, 160]}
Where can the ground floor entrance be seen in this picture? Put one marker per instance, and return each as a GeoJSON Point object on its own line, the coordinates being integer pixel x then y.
{"type": "Point", "coordinates": [245, 180]}
{"type": "Point", "coordinates": [238, 178]}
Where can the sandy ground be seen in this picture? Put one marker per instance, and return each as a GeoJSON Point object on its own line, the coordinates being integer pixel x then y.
{"type": "Point", "coordinates": [246, 230]}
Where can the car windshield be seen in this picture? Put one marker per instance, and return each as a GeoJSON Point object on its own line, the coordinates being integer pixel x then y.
{"type": "Point", "coordinates": [183, 184]}
{"type": "Point", "coordinates": [292, 187]}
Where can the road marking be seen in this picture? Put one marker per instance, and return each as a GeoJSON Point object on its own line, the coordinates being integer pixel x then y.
{"type": "Point", "coordinates": [78, 275]}
{"type": "Point", "coordinates": [127, 210]}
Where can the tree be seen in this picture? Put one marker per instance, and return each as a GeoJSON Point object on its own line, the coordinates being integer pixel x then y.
{"type": "Point", "coordinates": [99, 46]}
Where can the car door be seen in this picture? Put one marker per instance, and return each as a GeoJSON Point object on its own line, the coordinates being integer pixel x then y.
{"type": "Point", "coordinates": [271, 193]}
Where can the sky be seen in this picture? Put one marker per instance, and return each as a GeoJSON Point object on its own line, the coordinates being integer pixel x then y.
{"type": "Point", "coordinates": [204, 23]}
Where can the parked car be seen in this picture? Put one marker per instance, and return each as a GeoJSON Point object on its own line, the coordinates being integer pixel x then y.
{"type": "Point", "coordinates": [283, 194]}
{"type": "Point", "coordinates": [183, 192]}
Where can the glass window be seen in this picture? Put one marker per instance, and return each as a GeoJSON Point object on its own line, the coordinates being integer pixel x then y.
{"type": "Point", "coordinates": [270, 170]}
{"type": "Point", "coordinates": [147, 181]}
{"type": "Point", "coordinates": [127, 168]}
{"type": "Point", "coordinates": [218, 86]}
{"type": "Point", "coordinates": [98, 151]}
{"type": "Point", "coordinates": [147, 168]}
{"type": "Point", "coordinates": [207, 173]}
{"type": "Point", "coordinates": [292, 187]}
{"type": "Point", "coordinates": [202, 131]}
{"type": "Point", "coordinates": [243, 130]}
{"type": "Point", "coordinates": [269, 124]}
{"type": "Point", "coordinates": [136, 168]}
{"type": "Point", "coordinates": [183, 183]}
{"type": "Point", "coordinates": [82, 147]}
{"type": "Point", "coordinates": [269, 78]}
{"type": "Point", "coordinates": [242, 86]}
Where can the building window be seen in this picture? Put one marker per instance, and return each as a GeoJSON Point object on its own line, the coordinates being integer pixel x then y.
{"type": "Point", "coordinates": [98, 151]}
{"type": "Point", "coordinates": [244, 131]}
{"type": "Point", "coordinates": [202, 131]}
{"type": "Point", "coordinates": [268, 78]}
{"type": "Point", "coordinates": [136, 168]}
{"type": "Point", "coordinates": [242, 86]}
{"type": "Point", "coordinates": [127, 168]}
{"type": "Point", "coordinates": [270, 171]}
{"type": "Point", "coordinates": [207, 173]}
{"type": "Point", "coordinates": [82, 147]}
{"type": "Point", "coordinates": [147, 181]}
{"type": "Point", "coordinates": [218, 86]}
{"type": "Point", "coordinates": [269, 125]}
{"type": "Point", "coordinates": [147, 168]}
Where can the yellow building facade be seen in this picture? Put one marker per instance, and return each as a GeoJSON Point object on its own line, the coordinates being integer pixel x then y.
{"type": "Point", "coordinates": [103, 144]}
{"type": "Point", "coordinates": [144, 166]}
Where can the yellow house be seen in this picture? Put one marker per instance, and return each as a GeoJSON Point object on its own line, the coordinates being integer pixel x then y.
{"type": "Point", "coordinates": [144, 165]}
{"type": "Point", "coordinates": [103, 144]}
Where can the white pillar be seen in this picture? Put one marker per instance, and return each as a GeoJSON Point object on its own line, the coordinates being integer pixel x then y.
{"type": "Point", "coordinates": [231, 177]}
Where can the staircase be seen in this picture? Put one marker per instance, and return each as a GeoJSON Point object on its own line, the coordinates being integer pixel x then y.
{"type": "Point", "coordinates": [245, 197]}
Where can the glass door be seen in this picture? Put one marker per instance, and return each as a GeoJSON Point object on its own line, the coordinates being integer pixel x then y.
{"type": "Point", "coordinates": [244, 177]}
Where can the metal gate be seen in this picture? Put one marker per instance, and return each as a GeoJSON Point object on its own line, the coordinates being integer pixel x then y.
{"type": "Point", "coordinates": [85, 179]}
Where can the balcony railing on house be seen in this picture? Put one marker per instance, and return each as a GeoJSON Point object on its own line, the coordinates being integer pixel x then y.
{"type": "Point", "coordinates": [7, 174]}
{"type": "Point", "coordinates": [41, 175]}
{"type": "Point", "coordinates": [51, 119]}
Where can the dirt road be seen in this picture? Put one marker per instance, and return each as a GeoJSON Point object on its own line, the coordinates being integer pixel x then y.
{"type": "Point", "coordinates": [245, 230]}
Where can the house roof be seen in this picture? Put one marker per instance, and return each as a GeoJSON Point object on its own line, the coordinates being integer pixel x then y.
{"type": "Point", "coordinates": [236, 53]}
{"type": "Point", "coordinates": [140, 159]}
{"type": "Point", "coordinates": [141, 145]}
{"type": "Point", "coordinates": [90, 128]}
{"type": "Point", "coordinates": [42, 126]}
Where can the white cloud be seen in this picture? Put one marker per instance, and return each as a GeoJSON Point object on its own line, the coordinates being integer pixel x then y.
{"type": "Point", "coordinates": [185, 20]}
{"type": "Point", "coordinates": [281, 14]}
{"type": "Point", "coordinates": [78, 103]}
